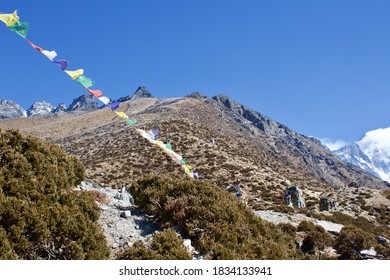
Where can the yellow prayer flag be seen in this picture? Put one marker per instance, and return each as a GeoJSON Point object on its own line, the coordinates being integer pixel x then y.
{"type": "Point", "coordinates": [75, 74]}
{"type": "Point", "coordinates": [122, 115]}
{"type": "Point", "coordinates": [9, 19]}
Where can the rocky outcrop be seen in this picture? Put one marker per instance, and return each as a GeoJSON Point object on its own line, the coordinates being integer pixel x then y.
{"type": "Point", "coordinates": [121, 221]}
{"type": "Point", "coordinates": [83, 103]}
{"type": "Point", "coordinates": [9, 109]}
{"type": "Point", "coordinates": [141, 92]}
{"type": "Point", "coordinates": [40, 109]}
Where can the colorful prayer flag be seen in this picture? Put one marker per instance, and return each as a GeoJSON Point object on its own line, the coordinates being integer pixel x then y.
{"type": "Point", "coordinates": [113, 106]}
{"type": "Point", "coordinates": [95, 92]}
{"type": "Point", "coordinates": [131, 122]}
{"type": "Point", "coordinates": [104, 99]}
{"type": "Point", "coordinates": [122, 115]}
{"type": "Point", "coordinates": [85, 81]}
{"type": "Point", "coordinates": [34, 46]}
{"type": "Point", "coordinates": [62, 63]}
{"type": "Point", "coordinates": [21, 28]}
{"type": "Point", "coordinates": [75, 74]}
{"type": "Point", "coordinates": [9, 19]}
{"type": "Point", "coordinates": [49, 54]}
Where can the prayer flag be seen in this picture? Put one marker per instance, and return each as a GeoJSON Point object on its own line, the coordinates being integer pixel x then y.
{"type": "Point", "coordinates": [104, 99]}
{"type": "Point", "coordinates": [9, 19]}
{"type": "Point", "coordinates": [113, 106]}
{"type": "Point", "coordinates": [34, 46]}
{"type": "Point", "coordinates": [131, 122]}
{"type": "Point", "coordinates": [49, 54]}
{"type": "Point", "coordinates": [75, 74]}
{"type": "Point", "coordinates": [62, 63]}
{"type": "Point", "coordinates": [122, 115]}
{"type": "Point", "coordinates": [95, 92]}
{"type": "Point", "coordinates": [21, 28]}
{"type": "Point", "coordinates": [85, 81]}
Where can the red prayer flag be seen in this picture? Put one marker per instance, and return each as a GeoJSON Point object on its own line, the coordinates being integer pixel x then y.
{"type": "Point", "coordinates": [95, 92]}
{"type": "Point", "coordinates": [34, 46]}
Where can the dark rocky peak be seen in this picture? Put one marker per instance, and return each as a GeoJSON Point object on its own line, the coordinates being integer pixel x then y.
{"type": "Point", "coordinates": [83, 103]}
{"type": "Point", "coordinates": [60, 108]}
{"type": "Point", "coordinates": [40, 109]}
{"type": "Point", "coordinates": [141, 92]}
{"type": "Point", "coordinates": [246, 115]}
{"type": "Point", "coordinates": [197, 95]}
{"type": "Point", "coordinates": [9, 109]}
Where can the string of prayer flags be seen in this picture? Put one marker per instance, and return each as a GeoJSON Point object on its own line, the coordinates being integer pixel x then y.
{"type": "Point", "coordinates": [21, 28]}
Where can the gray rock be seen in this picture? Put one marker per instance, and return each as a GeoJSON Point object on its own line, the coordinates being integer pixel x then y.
{"type": "Point", "coordinates": [382, 240]}
{"type": "Point", "coordinates": [9, 109]}
{"type": "Point", "coordinates": [126, 214]}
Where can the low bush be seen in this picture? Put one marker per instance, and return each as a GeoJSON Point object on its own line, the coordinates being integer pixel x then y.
{"type": "Point", "coordinates": [219, 225]}
{"type": "Point", "coordinates": [165, 245]}
{"type": "Point", "coordinates": [316, 238]}
{"type": "Point", "coordinates": [351, 241]}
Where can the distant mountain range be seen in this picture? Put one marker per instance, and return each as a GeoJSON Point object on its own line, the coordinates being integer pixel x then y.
{"type": "Point", "coordinates": [87, 103]}
{"type": "Point", "coordinates": [371, 153]}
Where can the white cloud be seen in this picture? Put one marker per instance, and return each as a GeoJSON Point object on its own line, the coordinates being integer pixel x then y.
{"type": "Point", "coordinates": [333, 145]}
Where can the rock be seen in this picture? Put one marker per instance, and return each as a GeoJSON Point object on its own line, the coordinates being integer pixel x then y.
{"type": "Point", "coordinates": [9, 109]}
{"type": "Point", "coordinates": [197, 95]}
{"type": "Point", "coordinates": [40, 109]}
{"type": "Point", "coordinates": [126, 214]}
{"type": "Point", "coordinates": [83, 103]}
{"type": "Point", "coordinates": [382, 240]}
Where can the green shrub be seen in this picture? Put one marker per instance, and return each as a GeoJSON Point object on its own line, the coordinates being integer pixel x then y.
{"type": "Point", "coordinates": [41, 216]}
{"type": "Point", "coordinates": [351, 241]}
{"type": "Point", "coordinates": [316, 238]}
{"type": "Point", "coordinates": [166, 245]}
{"type": "Point", "coordinates": [219, 226]}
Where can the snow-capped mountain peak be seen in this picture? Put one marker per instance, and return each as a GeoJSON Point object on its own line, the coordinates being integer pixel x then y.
{"type": "Point", "coordinates": [376, 143]}
{"type": "Point", "coordinates": [371, 153]}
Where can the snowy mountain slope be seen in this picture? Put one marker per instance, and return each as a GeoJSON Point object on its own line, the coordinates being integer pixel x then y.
{"type": "Point", "coordinates": [371, 153]}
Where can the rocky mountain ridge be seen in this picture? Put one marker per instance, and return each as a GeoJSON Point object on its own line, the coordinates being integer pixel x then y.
{"type": "Point", "coordinates": [83, 103]}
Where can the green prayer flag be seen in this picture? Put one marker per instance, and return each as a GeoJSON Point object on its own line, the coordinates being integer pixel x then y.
{"type": "Point", "coordinates": [21, 28]}
{"type": "Point", "coordinates": [132, 122]}
{"type": "Point", "coordinates": [85, 81]}
{"type": "Point", "coordinates": [168, 146]}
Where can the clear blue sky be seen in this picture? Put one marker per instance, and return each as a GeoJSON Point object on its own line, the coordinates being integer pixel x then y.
{"type": "Point", "coordinates": [320, 67]}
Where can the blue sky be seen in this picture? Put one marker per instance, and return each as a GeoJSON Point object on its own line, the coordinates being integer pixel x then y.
{"type": "Point", "coordinates": [320, 67]}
